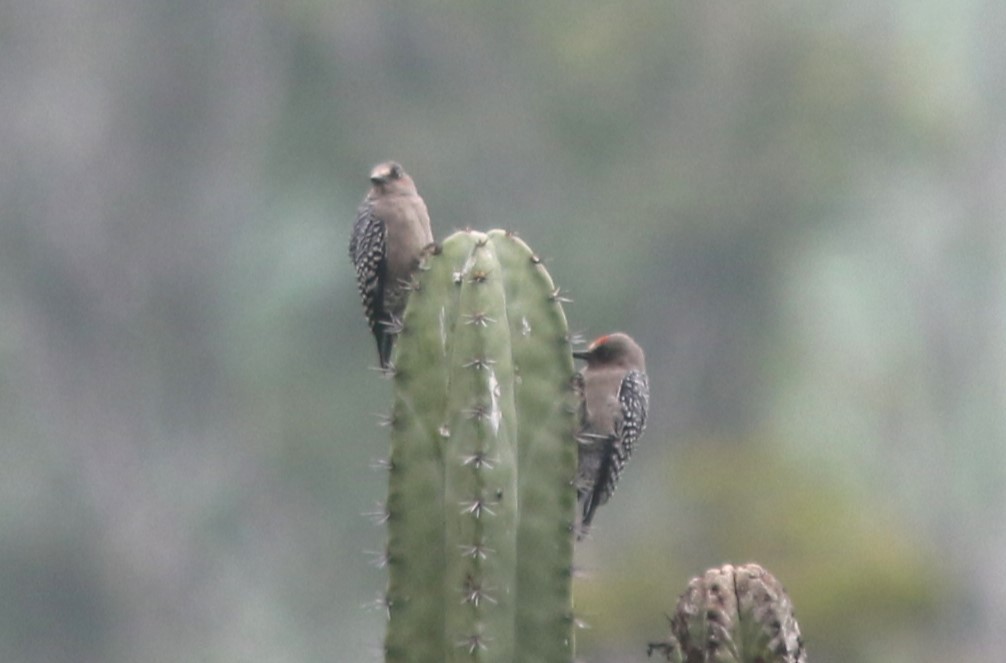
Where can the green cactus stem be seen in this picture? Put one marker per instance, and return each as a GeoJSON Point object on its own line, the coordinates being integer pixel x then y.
{"type": "Point", "coordinates": [480, 500]}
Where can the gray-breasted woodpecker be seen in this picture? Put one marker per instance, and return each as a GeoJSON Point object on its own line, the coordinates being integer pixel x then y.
{"type": "Point", "coordinates": [391, 231]}
{"type": "Point", "coordinates": [615, 395]}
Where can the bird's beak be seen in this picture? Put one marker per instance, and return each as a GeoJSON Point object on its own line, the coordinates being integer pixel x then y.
{"type": "Point", "coordinates": [377, 180]}
{"type": "Point", "coordinates": [582, 354]}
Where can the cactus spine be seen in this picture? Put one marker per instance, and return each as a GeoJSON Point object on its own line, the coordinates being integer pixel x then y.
{"type": "Point", "coordinates": [480, 502]}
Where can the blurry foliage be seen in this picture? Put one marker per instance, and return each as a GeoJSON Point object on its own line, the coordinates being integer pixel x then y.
{"type": "Point", "coordinates": [859, 577]}
{"type": "Point", "coordinates": [844, 556]}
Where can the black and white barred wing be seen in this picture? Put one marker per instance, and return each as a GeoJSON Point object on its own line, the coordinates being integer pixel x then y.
{"type": "Point", "coordinates": [634, 398]}
{"type": "Point", "coordinates": [367, 249]}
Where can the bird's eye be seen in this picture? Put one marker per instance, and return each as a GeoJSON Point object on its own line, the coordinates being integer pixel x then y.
{"type": "Point", "coordinates": [395, 172]}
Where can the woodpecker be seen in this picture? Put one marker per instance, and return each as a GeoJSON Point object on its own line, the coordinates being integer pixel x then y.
{"type": "Point", "coordinates": [391, 231]}
{"type": "Point", "coordinates": [615, 394]}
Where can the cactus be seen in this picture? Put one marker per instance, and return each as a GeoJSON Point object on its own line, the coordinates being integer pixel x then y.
{"type": "Point", "coordinates": [734, 615]}
{"type": "Point", "coordinates": [480, 502]}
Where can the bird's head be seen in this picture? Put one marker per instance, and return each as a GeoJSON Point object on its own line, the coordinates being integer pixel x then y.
{"type": "Point", "coordinates": [615, 349]}
{"type": "Point", "coordinates": [389, 177]}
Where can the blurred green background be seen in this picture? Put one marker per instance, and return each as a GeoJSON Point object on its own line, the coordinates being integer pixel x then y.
{"type": "Point", "coordinates": [798, 209]}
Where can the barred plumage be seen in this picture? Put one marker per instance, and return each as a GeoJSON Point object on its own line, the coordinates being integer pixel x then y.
{"type": "Point", "coordinates": [615, 397]}
{"type": "Point", "coordinates": [391, 231]}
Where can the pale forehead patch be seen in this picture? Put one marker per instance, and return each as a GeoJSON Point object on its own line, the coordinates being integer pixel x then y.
{"type": "Point", "coordinates": [381, 170]}
{"type": "Point", "coordinates": [384, 170]}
